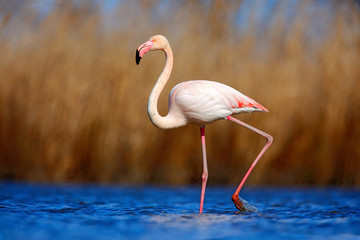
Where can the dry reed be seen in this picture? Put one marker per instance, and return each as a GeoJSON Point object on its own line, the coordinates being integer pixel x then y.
{"type": "Point", "coordinates": [73, 102]}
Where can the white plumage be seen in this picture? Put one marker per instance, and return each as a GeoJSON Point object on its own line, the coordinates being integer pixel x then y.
{"type": "Point", "coordinates": [202, 101]}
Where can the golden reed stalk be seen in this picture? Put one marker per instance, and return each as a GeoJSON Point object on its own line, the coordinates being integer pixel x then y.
{"type": "Point", "coordinates": [73, 102]}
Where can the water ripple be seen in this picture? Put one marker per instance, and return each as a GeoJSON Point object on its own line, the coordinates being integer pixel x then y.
{"type": "Point", "coordinates": [111, 212]}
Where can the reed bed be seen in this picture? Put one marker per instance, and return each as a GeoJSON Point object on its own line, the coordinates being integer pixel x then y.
{"type": "Point", "coordinates": [73, 102]}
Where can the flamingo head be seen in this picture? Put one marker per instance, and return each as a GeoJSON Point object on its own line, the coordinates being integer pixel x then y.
{"type": "Point", "coordinates": [157, 42]}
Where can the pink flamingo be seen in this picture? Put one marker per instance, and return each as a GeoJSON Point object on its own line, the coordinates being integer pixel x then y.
{"type": "Point", "coordinates": [199, 102]}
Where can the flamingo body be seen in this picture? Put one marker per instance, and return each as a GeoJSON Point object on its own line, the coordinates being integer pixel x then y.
{"type": "Point", "coordinates": [199, 102]}
{"type": "Point", "coordinates": [202, 102]}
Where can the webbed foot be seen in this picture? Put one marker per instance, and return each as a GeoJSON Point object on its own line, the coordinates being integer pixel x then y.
{"type": "Point", "coordinates": [238, 204]}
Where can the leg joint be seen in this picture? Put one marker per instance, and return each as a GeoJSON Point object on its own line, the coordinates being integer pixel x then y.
{"type": "Point", "coordinates": [269, 139]}
{"type": "Point", "coordinates": [204, 176]}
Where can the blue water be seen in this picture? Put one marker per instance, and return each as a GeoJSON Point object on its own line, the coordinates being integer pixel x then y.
{"type": "Point", "coordinates": [33, 211]}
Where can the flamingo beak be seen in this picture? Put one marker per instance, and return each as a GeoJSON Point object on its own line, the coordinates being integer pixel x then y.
{"type": "Point", "coordinates": [137, 57]}
{"type": "Point", "coordinates": [142, 49]}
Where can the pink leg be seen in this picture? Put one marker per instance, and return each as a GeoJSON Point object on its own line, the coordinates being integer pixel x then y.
{"type": "Point", "coordinates": [269, 139]}
{"type": "Point", "coordinates": [205, 169]}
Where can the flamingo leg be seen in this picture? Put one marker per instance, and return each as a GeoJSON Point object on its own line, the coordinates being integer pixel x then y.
{"type": "Point", "coordinates": [205, 169]}
{"type": "Point", "coordinates": [235, 198]}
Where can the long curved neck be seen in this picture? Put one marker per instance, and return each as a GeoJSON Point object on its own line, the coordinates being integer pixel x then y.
{"type": "Point", "coordinates": [169, 121]}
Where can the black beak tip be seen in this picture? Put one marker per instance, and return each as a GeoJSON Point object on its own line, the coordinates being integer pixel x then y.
{"type": "Point", "coordinates": [137, 57]}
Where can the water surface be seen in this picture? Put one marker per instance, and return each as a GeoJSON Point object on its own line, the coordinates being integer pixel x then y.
{"type": "Point", "coordinates": [34, 211]}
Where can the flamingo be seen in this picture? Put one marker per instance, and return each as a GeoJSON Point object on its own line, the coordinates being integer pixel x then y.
{"type": "Point", "coordinates": [199, 102]}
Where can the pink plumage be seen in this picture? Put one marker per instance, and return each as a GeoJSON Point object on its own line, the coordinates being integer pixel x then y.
{"type": "Point", "coordinates": [199, 102]}
{"type": "Point", "coordinates": [203, 102]}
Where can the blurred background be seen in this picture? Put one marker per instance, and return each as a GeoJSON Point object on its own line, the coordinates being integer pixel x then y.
{"type": "Point", "coordinates": [73, 102]}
